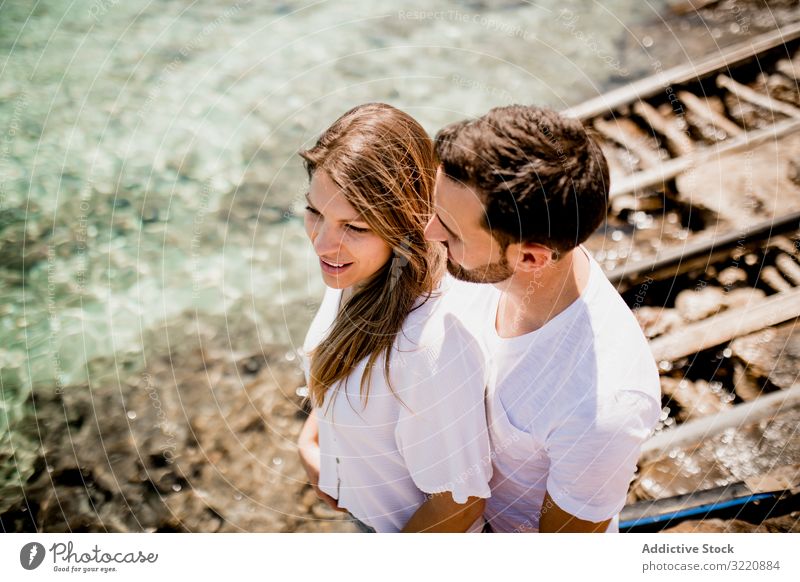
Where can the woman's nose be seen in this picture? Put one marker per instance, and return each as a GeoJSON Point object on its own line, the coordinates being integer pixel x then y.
{"type": "Point", "coordinates": [327, 241]}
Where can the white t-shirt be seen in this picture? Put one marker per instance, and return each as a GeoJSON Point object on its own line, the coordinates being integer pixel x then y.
{"type": "Point", "coordinates": [569, 405]}
{"type": "Point", "coordinates": [380, 460]}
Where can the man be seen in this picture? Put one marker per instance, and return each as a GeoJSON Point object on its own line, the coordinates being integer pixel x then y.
{"type": "Point", "coordinates": [573, 386]}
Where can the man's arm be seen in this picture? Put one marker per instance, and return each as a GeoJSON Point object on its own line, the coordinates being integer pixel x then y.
{"type": "Point", "coordinates": [555, 520]}
{"type": "Point", "coordinates": [440, 513]}
{"type": "Point", "coordinates": [597, 463]}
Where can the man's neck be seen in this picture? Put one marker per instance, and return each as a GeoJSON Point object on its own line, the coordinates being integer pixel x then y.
{"type": "Point", "coordinates": [529, 300]}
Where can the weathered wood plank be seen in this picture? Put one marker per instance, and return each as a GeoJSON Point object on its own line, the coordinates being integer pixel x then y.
{"type": "Point", "coordinates": [788, 267]}
{"type": "Point", "coordinates": [721, 328]}
{"type": "Point", "coordinates": [764, 101]}
{"type": "Point", "coordinates": [663, 81]}
{"type": "Point", "coordinates": [695, 431]}
{"type": "Point", "coordinates": [699, 253]}
{"type": "Point", "coordinates": [622, 132]}
{"type": "Point", "coordinates": [671, 168]}
{"type": "Point", "coordinates": [701, 108]}
{"type": "Point", "coordinates": [678, 141]}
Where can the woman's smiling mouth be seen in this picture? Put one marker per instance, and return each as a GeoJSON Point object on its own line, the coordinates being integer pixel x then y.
{"type": "Point", "coordinates": [332, 267]}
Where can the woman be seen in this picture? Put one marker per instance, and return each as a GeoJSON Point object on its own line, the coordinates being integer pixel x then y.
{"type": "Point", "coordinates": [397, 436]}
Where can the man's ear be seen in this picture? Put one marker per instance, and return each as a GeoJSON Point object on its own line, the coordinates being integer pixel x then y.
{"type": "Point", "coordinates": [529, 257]}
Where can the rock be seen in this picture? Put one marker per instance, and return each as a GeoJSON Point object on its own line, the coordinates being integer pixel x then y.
{"type": "Point", "coordinates": [695, 305]}
{"type": "Point", "coordinates": [656, 321]}
{"type": "Point", "coordinates": [739, 298]}
{"type": "Point", "coordinates": [190, 444]}
{"type": "Point", "coordinates": [696, 398]}
{"type": "Point", "coordinates": [713, 526]}
{"type": "Point", "coordinates": [772, 353]}
{"type": "Point", "coordinates": [750, 116]}
{"type": "Point", "coordinates": [744, 385]}
{"type": "Point", "coordinates": [736, 454]}
{"type": "Point", "coordinates": [732, 276]}
{"type": "Point", "coordinates": [23, 237]}
{"type": "Point", "coordinates": [789, 523]}
{"type": "Point", "coordinates": [780, 88]}
{"type": "Point", "coordinates": [322, 511]}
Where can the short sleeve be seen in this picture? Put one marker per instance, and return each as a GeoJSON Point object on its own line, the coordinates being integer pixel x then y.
{"type": "Point", "coordinates": [593, 459]}
{"type": "Point", "coordinates": [319, 328]}
{"type": "Point", "coordinates": [441, 432]}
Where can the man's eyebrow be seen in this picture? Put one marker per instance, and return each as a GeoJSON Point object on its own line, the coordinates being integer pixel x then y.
{"type": "Point", "coordinates": [447, 228]}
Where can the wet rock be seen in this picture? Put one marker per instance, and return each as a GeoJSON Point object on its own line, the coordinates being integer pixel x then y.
{"type": "Point", "coordinates": [773, 353]}
{"type": "Point", "coordinates": [628, 203]}
{"type": "Point", "coordinates": [23, 242]}
{"type": "Point", "coordinates": [732, 276]}
{"type": "Point", "coordinates": [793, 172]}
{"type": "Point", "coordinates": [656, 321]}
{"type": "Point", "coordinates": [736, 454]}
{"type": "Point", "coordinates": [696, 398]}
{"type": "Point", "coordinates": [742, 298]}
{"type": "Point", "coordinates": [789, 523]}
{"type": "Point", "coordinates": [744, 385]}
{"type": "Point", "coordinates": [750, 116]}
{"type": "Point", "coordinates": [251, 203]}
{"type": "Point", "coordinates": [189, 444]}
{"type": "Point", "coordinates": [778, 87]}
{"type": "Point", "coordinates": [694, 305]}
{"type": "Point", "coordinates": [773, 278]}
{"type": "Point", "coordinates": [713, 526]}
{"type": "Point", "coordinates": [788, 267]}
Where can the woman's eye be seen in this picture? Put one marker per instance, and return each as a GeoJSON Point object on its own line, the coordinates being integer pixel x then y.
{"type": "Point", "coordinates": [356, 228]}
{"type": "Point", "coordinates": [312, 210]}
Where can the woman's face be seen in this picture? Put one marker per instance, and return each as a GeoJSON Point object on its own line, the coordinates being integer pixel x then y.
{"type": "Point", "coordinates": [349, 251]}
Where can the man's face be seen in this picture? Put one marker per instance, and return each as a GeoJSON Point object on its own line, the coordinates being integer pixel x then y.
{"type": "Point", "coordinates": [473, 254]}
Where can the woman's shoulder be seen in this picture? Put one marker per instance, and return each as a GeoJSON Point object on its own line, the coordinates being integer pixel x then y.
{"type": "Point", "coordinates": [323, 318]}
{"type": "Point", "coordinates": [435, 333]}
{"type": "Point", "coordinates": [425, 325]}
{"type": "Point", "coordinates": [453, 309]}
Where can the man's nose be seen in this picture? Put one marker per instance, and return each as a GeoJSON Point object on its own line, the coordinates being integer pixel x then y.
{"type": "Point", "coordinates": [434, 230]}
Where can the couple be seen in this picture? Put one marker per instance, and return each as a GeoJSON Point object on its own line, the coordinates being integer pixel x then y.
{"type": "Point", "coordinates": [512, 395]}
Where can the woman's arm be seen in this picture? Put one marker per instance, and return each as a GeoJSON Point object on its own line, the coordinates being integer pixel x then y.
{"type": "Point", "coordinates": [308, 448]}
{"type": "Point", "coordinates": [440, 513]}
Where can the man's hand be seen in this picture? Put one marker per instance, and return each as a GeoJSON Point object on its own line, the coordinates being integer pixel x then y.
{"type": "Point", "coordinates": [556, 520]}
{"type": "Point", "coordinates": [308, 448]}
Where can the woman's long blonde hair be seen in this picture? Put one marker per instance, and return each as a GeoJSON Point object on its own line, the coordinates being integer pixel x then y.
{"type": "Point", "coordinates": [383, 162]}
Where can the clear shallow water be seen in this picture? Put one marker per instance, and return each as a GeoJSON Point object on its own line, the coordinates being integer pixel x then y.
{"type": "Point", "coordinates": [147, 151]}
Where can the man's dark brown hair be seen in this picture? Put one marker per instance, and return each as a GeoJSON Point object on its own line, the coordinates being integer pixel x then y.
{"type": "Point", "coordinates": [542, 178]}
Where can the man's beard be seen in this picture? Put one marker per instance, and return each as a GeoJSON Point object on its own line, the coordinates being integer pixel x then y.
{"type": "Point", "coordinates": [491, 273]}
